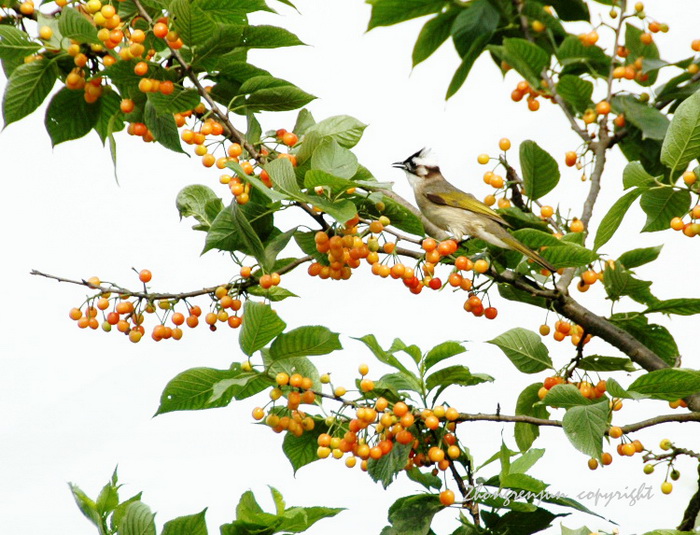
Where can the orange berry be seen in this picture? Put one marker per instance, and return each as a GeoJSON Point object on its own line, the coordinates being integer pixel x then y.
{"type": "Point", "coordinates": [145, 275]}
{"type": "Point", "coordinates": [571, 158]}
{"type": "Point", "coordinates": [603, 107]}
{"type": "Point", "coordinates": [576, 225]}
{"type": "Point", "coordinates": [447, 497]}
{"type": "Point", "coordinates": [481, 266]}
{"type": "Point", "coordinates": [290, 139]}
{"type": "Point", "coordinates": [504, 144]}
{"type": "Point", "coordinates": [141, 68]}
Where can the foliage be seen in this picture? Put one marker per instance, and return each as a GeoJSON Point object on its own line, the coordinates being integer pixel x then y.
{"type": "Point", "coordinates": [178, 71]}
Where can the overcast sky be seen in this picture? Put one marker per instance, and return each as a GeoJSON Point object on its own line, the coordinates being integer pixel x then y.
{"type": "Point", "coordinates": [75, 403]}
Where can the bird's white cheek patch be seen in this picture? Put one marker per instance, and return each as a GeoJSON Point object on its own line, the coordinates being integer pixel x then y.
{"type": "Point", "coordinates": [421, 171]}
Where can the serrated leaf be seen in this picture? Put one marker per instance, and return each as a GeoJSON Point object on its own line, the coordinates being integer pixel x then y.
{"type": "Point", "coordinates": [388, 12]}
{"type": "Point", "coordinates": [525, 350]}
{"type": "Point", "coordinates": [540, 170]}
{"type": "Point", "coordinates": [386, 468]}
{"type": "Point", "coordinates": [305, 120]}
{"type": "Point", "coordinates": [478, 45]}
{"type": "Point", "coordinates": [584, 426]}
{"type": "Point", "coordinates": [275, 246]}
{"type": "Point", "coordinates": [74, 25]}
{"type": "Point", "coordinates": [261, 325]}
{"type": "Point", "coordinates": [576, 92]}
{"type": "Point", "coordinates": [614, 389]}
{"type": "Point", "coordinates": [232, 230]}
{"type": "Point", "coordinates": [27, 88]}
{"type": "Point", "coordinates": [570, 10]}
{"type": "Point", "coordinates": [427, 479]}
{"type": "Point", "coordinates": [163, 127]}
{"type": "Point", "coordinates": [68, 116]}
{"type": "Point", "coordinates": [527, 58]}
{"type": "Point", "coordinates": [15, 44]}
{"type": "Point", "coordinates": [178, 101]}
{"type": "Point", "coordinates": [433, 34]}
{"type": "Point", "coordinates": [265, 36]}
{"type": "Point", "coordinates": [598, 363]}
{"type": "Point", "coordinates": [193, 389]}
{"type": "Point", "coordinates": [190, 22]}
{"type": "Point", "coordinates": [109, 116]}
{"type": "Point", "coordinates": [280, 98]}
{"type": "Point", "coordinates": [569, 256]}
{"type": "Point", "coordinates": [138, 520]}
{"type": "Point", "coordinates": [526, 461]}
{"type": "Point", "coordinates": [684, 306]}
{"type": "Point", "coordinates": [302, 450]}
{"type": "Point", "coordinates": [412, 515]}
{"type": "Point", "coordinates": [195, 201]}
{"type": "Point", "coordinates": [454, 376]}
{"type": "Point", "coordinates": [663, 204]}
{"type": "Point", "coordinates": [186, 525]}
{"type": "Point", "coordinates": [528, 405]}
{"type": "Point", "coordinates": [333, 159]}
{"type": "Point", "coordinates": [639, 257]}
{"type": "Point", "coordinates": [651, 122]}
{"type": "Point", "coordinates": [441, 352]}
{"type": "Point", "coordinates": [613, 219]}
{"type": "Point", "coordinates": [669, 384]}
{"type": "Point", "coordinates": [86, 505]}
{"type": "Point", "coordinates": [383, 356]}
{"type": "Point", "coordinates": [577, 58]}
{"type": "Point", "coordinates": [619, 281]}
{"type": "Point", "coordinates": [305, 341]}
{"type": "Point", "coordinates": [682, 142]}
{"type": "Point", "coordinates": [565, 396]}
{"type": "Point", "coordinates": [634, 175]}
{"type": "Point", "coordinates": [655, 337]}
{"type": "Point", "coordinates": [298, 519]}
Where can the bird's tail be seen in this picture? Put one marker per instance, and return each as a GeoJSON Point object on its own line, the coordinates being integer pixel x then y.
{"type": "Point", "coordinates": [524, 249]}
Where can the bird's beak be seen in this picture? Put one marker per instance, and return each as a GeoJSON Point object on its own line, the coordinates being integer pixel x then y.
{"type": "Point", "coordinates": [399, 165]}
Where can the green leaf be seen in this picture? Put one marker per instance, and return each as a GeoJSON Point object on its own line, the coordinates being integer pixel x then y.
{"type": "Point", "coordinates": [454, 376]}
{"type": "Point", "coordinates": [577, 58]}
{"type": "Point", "coordinates": [565, 396]}
{"type": "Point", "coordinates": [598, 363]}
{"type": "Point", "coordinates": [663, 204]}
{"type": "Point", "coordinates": [108, 499]}
{"type": "Point", "coordinates": [634, 175]}
{"type": "Point", "coordinates": [383, 356]}
{"type": "Point", "coordinates": [279, 98]}
{"type": "Point", "coordinates": [118, 514]}
{"type": "Point", "coordinates": [540, 170]}
{"type": "Point", "coordinates": [298, 519]}
{"type": "Point", "coordinates": [199, 202]}
{"type": "Point", "coordinates": [639, 257]}
{"type": "Point", "coordinates": [525, 350]}
{"type": "Point", "coordinates": [275, 246]}
{"type": "Point", "coordinates": [570, 10]}
{"type": "Point", "coordinates": [138, 520]}
{"type": "Point", "coordinates": [650, 121]}
{"type": "Point", "coordinates": [27, 88]}
{"type": "Point", "coordinates": [186, 525]}
{"type": "Point", "coordinates": [528, 404]}
{"type": "Point", "coordinates": [514, 294]}
{"type": "Point", "coordinates": [427, 479]}
{"type": "Point", "coordinates": [344, 129]}
{"type": "Point", "coordinates": [86, 505]}
{"type": "Point", "coordinates": [576, 92]}
{"type": "Point", "coordinates": [338, 161]}
{"type": "Point", "coordinates": [265, 36]}
{"type": "Point", "coordinates": [232, 230]}
{"type": "Point", "coordinates": [613, 219]}
{"type": "Point", "coordinates": [261, 325]}
{"type": "Point", "coordinates": [74, 25]}
{"type": "Point", "coordinates": [388, 12]}
{"type": "Point", "coordinates": [441, 352]}
{"type": "Point", "coordinates": [163, 127]}
{"type": "Point", "coordinates": [569, 256]}
{"type": "Point", "coordinates": [178, 101]}
{"type": "Point", "coordinates": [614, 389]}
{"type": "Point", "coordinates": [386, 468]}
{"type": "Point", "coordinates": [637, 49]}
{"type": "Point", "coordinates": [194, 389]}
{"type": "Point", "coordinates": [15, 44]}
{"type": "Point", "coordinates": [190, 22]}
{"type": "Point", "coordinates": [585, 425]}
{"type": "Point", "coordinates": [526, 461]}
{"type": "Point", "coordinates": [412, 515]}
{"type": "Point", "coordinates": [682, 141]}
{"type": "Point", "coordinates": [109, 116]}
{"type": "Point", "coordinates": [669, 384]}
{"type": "Point", "coordinates": [305, 341]}
{"type": "Point", "coordinates": [68, 116]}
{"type": "Point", "coordinates": [477, 47]}
{"type": "Point", "coordinates": [305, 120]}
{"type": "Point", "coordinates": [655, 337]}
{"type": "Point", "coordinates": [684, 306]}
{"type": "Point", "coordinates": [302, 450]}
{"type": "Point", "coordinates": [476, 22]}
{"type": "Point", "coordinates": [527, 58]}
{"type": "Point", "coordinates": [619, 281]}
{"type": "Point", "coordinates": [433, 34]}
{"type": "Point", "coordinates": [223, 10]}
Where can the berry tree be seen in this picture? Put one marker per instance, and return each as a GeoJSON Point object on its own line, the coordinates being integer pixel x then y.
{"type": "Point", "coordinates": [174, 72]}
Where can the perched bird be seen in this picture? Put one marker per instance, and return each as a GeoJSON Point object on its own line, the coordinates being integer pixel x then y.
{"type": "Point", "coordinates": [456, 211]}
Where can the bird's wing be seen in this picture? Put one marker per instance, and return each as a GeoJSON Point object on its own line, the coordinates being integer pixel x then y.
{"type": "Point", "coordinates": [467, 202]}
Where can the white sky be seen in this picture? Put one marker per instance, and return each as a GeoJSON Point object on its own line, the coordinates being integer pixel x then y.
{"type": "Point", "coordinates": [77, 403]}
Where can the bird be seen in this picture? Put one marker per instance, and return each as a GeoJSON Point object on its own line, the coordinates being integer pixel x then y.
{"type": "Point", "coordinates": [456, 211]}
